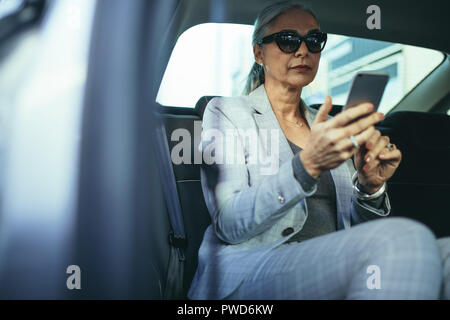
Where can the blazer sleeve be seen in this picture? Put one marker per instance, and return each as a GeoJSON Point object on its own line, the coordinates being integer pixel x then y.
{"type": "Point", "coordinates": [240, 210]}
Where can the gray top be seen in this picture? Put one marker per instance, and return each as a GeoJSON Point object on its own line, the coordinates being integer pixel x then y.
{"type": "Point", "coordinates": [322, 210]}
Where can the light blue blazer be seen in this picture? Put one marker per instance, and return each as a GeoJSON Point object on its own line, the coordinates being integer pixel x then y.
{"type": "Point", "coordinates": [252, 202]}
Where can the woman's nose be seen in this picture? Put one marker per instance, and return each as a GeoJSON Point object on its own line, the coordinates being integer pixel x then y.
{"type": "Point", "coordinates": [302, 50]}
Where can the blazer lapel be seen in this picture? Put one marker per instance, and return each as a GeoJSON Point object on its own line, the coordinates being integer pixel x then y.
{"type": "Point", "coordinates": [266, 121]}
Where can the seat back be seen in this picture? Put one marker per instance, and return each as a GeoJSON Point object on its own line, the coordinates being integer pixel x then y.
{"type": "Point", "coordinates": [420, 187]}
{"type": "Point", "coordinates": [334, 110]}
{"type": "Point", "coordinates": [201, 105]}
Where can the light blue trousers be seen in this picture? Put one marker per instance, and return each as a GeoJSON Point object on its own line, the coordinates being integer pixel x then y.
{"type": "Point", "coordinates": [393, 258]}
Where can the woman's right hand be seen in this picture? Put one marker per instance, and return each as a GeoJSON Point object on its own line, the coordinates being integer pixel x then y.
{"type": "Point", "coordinates": [329, 142]}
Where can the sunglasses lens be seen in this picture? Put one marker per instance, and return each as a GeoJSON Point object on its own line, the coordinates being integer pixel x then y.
{"type": "Point", "coordinates": [315, 43]}
{"type": "Point", "coordinates": [287, 44]}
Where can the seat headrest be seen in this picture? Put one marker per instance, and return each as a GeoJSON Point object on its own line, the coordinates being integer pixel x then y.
{"type": "Point", "coordinates": [200, 106]}
{"type": "Point", "coordinates": [334, 110]}
{"type": "Point", "coordinates": [434, 128]}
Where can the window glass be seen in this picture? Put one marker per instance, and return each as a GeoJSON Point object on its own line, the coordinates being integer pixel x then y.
{"type": "Point", "coordinates": [215, 59]}
{"type": "Point", "coordinates": [8, 7]}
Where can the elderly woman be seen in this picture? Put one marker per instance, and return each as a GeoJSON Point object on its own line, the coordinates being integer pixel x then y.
{"type": "Point", "coordinates": [301, 211]}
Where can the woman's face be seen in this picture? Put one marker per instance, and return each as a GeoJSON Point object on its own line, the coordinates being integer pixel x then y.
{"type": "Point", "coordinates": [279, 66]}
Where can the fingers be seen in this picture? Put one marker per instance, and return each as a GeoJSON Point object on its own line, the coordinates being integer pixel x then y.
{"type": "Point", "coordinates": [370, 144]}
{"type": "Point", "coordinates": [361, 138]}
{"type": "Point", "coordinates": [362, 124]}
{"type": "Point", "coordinates": [351, 114]}
{"type": "Point", "coordinates": [395, 154]}
{"type": "Point", "coordinates": [378, 147]}
{"type": "Point", "coordinates": [344, 148]}
{"type": "Point", "coordinates": [391, 155]}
{"type": "Point", "coordinates": [372, 164]}
{"type": "Point", "coordinates": [343, 155]}
{"type": "Point", "coordinates": [322, 114]}
{"type": "Point", "coordinates": [380, 152]}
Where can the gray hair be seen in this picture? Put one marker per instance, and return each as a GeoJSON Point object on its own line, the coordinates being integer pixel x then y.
{"type": "Point", "coordinates": [265, 18]}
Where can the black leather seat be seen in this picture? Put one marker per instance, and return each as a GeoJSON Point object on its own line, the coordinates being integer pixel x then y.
{"type": "Point", "coordinates": [334, 110]}
{"type": "Point", "coordinates": [203, 102]}
{"type": "Point", "coordinates": [420, 188]}
{"type": "Point", "coordinates": [201, 105]}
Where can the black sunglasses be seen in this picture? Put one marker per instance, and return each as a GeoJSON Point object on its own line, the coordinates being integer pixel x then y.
{"type": "Point", "coordinates": [289, 41]}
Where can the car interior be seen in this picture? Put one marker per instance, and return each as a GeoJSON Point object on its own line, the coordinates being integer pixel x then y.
{"type": "Point", "coordinates": [422, 135]}
{"type": "Point", "coordinates": [149, 253]}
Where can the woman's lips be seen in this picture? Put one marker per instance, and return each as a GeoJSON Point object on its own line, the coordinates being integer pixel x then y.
{"type": "Point", "coordinates": [301, 68]}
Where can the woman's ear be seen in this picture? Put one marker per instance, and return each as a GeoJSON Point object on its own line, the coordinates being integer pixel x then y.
{"type": "Point", "coordinates": [259, 54]}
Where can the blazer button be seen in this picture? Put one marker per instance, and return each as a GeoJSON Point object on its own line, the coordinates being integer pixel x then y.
{"type": "Point", "coordinates": [281, 199]}
{"type": "Point", "coordinates": [287, 231]}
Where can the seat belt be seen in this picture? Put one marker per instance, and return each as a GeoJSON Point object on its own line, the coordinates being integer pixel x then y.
{"type": "Point", "coordinates": [177, 237]}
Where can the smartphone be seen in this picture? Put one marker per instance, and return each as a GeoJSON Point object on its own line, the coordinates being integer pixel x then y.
{"type": "Point", "coordinates": [367, 87]}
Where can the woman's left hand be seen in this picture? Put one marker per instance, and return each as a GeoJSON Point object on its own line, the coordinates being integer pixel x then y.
{"type": "Point", "coordinates": [375, 162]}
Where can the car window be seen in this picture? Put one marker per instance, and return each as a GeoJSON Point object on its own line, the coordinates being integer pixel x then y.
{"type": "Point", "coordinates": [8, 7]}
{"type": "Point", "coordinates": [214, 59]}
